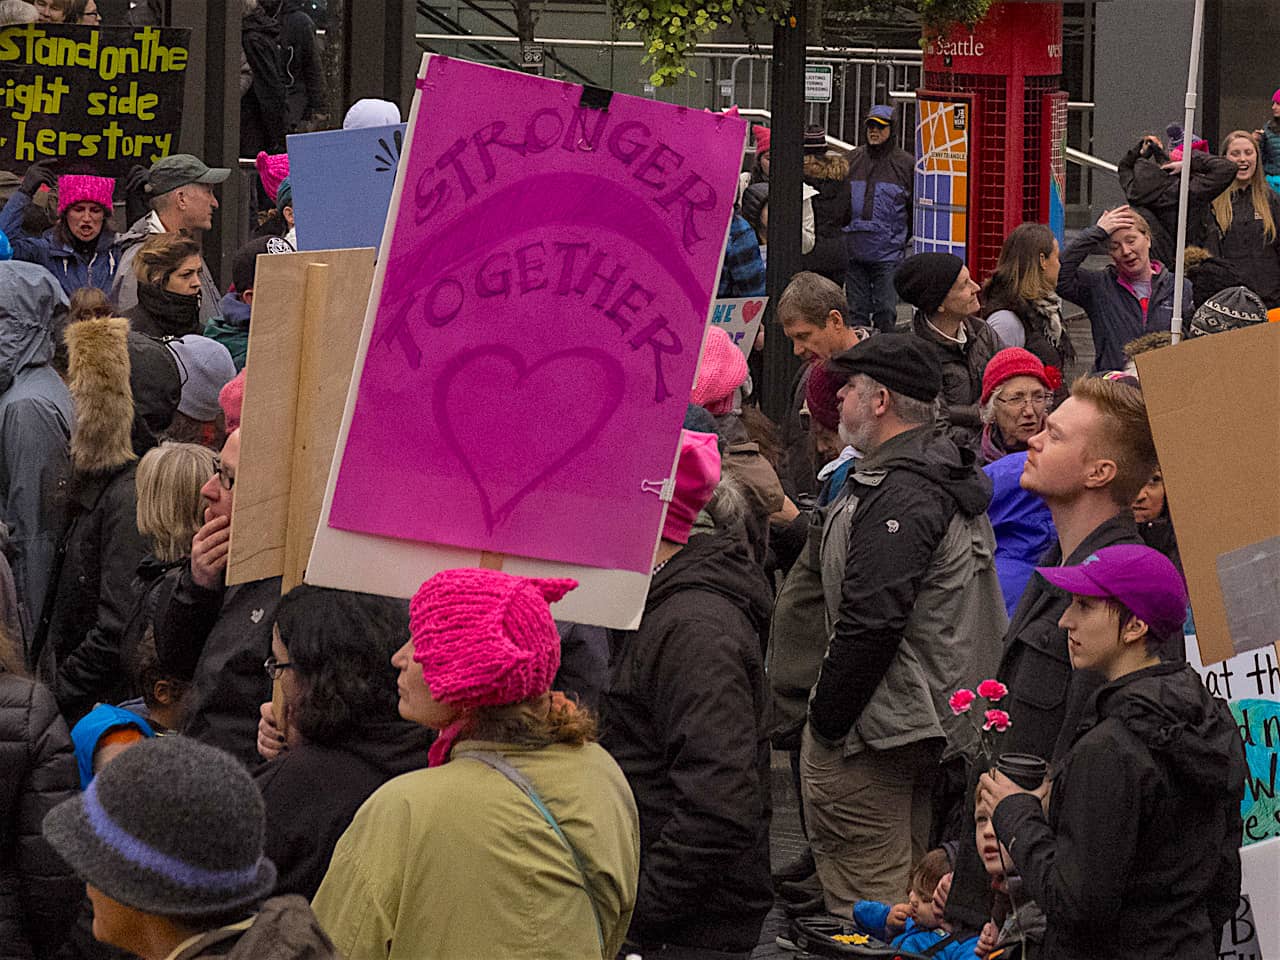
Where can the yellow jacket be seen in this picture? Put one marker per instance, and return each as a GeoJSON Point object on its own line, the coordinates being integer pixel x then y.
{"type": "Point", "coordinates": [455, 862]}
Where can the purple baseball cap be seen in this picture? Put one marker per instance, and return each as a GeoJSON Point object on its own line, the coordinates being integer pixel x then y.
{"type": "Point", "coordinates": [1142, 579]}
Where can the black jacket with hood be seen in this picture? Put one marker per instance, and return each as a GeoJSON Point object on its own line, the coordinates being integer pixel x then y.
{"type": "Point", "coordinates": [1139, 856]}
{"type": "Point", "coordinates": [126, 388]}
{"type": "Point", "coordinates": [303, 73]}
{"type": "Point", "coordinates": [685, 718]}
{"type": "Point", "coordinates": [1046, 697]}
{"type": "Point", "coordinates": [39, 893]}
{"type": "Point", "coordinates": [1153, 192]}
{"type": "Point", "coordinates": [264, 109]}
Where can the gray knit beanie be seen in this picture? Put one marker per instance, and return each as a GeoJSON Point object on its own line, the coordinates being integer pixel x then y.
{"type": "Point", "coordinates": [171, 827]}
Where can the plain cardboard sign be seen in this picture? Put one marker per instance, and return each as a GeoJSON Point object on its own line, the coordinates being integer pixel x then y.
{"type": "Point", "coordinates": [308, 311]}
{"type": "Point", "coordinates": [1214, 408]}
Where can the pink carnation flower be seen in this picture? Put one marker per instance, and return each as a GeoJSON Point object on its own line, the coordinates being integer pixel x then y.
{"type": "Point", "coordinates": [961, 701]}
{"type": "Point", "coordinates": [993, 690]}
{"type": "Point", "coordinates": [996, 720]}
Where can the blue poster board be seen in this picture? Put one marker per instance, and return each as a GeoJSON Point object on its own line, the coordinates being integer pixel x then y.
{"type": "Point", "coordinates": [342, 182]}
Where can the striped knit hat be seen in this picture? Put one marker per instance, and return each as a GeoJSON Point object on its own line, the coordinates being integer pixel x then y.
{"type": "Point", "coordinates": [171, 827]}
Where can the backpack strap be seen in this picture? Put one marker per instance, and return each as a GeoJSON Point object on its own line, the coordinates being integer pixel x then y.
{"type": "Point", "coordinates": [500, 764]}
{"type": "Point", "coordinates": [941, 945]}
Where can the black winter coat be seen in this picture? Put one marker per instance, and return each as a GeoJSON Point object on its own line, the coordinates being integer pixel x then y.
{"type": "Point", "coordinates": [221, 638]}
{"type": "Point", "coordinates": [39, 894]}
{"type": "Point", "coordinates": [312, 792]}
{"type": "Point", "coordinates": [1153, 192]}
{"type": "Point", "coordinates": [831, 214]}
{"type": "Point", "coordinates": [264, 110]}
{"type": "Point", "coordinates": [1245, 247]}
{"type": "Point", "coordinates": [1046, 697]}
{"type": "Point", "coordinates": [962, 369]}
{"type": "Point", "coordinates": [303, 75]}
{"type": "Point", "coordinates": [685, 718]}
{"type": "Point", "coordinates": [1139, 856]}
{"type": "Point", "coordinates": [95, 592]}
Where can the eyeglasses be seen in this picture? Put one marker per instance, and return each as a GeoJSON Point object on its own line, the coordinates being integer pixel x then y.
{"type": "Point", "coordinates": [274, 668]}
{"type": "Point", "coordinates": [226, 480]}
{"type": "Point", "coordinates": [1038, 401]}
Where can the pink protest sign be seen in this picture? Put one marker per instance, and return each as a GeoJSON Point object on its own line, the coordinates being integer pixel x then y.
{"type": "Point", "coordinates": [547, 284]}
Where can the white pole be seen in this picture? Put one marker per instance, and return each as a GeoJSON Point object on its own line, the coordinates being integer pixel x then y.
{"type": "Point", "coordinates": [1184, 186]}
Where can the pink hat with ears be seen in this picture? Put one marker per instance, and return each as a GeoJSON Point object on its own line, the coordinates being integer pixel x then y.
{"type": "Point", "coordinates": [486, 638]}
{"type": "Point", "coordinates": [272, 169]}
{"type": "Point", "coordinates": [722, 370]}
{"type": "Point", "coordinates": [763, 135]}
{"type": "Point", "coordinates": [76, 188]}
{"type": "Point", "coordinates": [231, 399]}
{"type": "Point", "coordinates": [697, 473]}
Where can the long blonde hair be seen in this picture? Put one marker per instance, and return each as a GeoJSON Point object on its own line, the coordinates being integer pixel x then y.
{"type": "Point", "coordinates": [1259, 190]}
{"type": "Point", "coordinates": [170, 508]}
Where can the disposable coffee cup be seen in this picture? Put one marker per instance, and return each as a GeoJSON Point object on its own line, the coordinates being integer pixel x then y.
{"type": "Point", "coordinates": [1025, 769]}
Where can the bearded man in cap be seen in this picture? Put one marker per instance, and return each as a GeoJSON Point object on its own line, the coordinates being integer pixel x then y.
{"type": "Point", "coordinates": [182, 198]}
{"type": "Point", "coordinates": [914, 611]}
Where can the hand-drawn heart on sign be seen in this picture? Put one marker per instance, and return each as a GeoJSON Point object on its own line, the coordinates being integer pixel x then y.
{"type": "Point", "coordinates": [469, 373]}
{"type": "Point", "coordinates": [740, 318]}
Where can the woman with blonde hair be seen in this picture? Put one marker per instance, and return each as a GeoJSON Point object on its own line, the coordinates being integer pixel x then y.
{"type": "Point", "coordinates": [170, 508]}
{"type": "Point", "coordinates": [168, 266]}
{"type": "Point", "coordinates": [1243, 222]}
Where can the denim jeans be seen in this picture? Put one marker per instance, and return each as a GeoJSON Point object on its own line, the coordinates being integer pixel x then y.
{"type": "Point", "coordinates": [872, 298]}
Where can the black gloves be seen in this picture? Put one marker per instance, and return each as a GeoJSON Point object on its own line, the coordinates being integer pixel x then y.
{"type": "Point", "coordinates": [38, 174]}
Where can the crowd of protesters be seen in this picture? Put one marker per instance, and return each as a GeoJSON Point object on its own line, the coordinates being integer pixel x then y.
{"type": "Point", "coordinates": [191, 769]}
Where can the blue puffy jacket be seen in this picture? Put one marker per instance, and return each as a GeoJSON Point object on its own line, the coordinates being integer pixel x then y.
{"type": "Point", "coordinates": [71, 268]}
{"type": "Point", "coordinates": [870, 917]}
{"type": "Point", "coordinates": [880, 197]}
{"type": "Point", "coordinates": [1022, 524]}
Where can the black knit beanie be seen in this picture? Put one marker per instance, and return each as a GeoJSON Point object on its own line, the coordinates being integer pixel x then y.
{"type": "Point", "coordinates": [925, 279]}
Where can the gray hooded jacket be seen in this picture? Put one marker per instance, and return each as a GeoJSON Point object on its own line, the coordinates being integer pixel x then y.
{"type": "Point", "coordinates": [35, 428]}
{"type": "Point", "coordinates": [918, 503]}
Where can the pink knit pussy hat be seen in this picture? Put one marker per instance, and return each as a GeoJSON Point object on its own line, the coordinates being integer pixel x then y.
{"type": "Point", "coordinates": [486, 638]}
{"type": "Point", "coordinates": [76, 188]}
{"type": "Point", "coordinates": [722, 370]}
{"type": "Point", "coordinates": [697, 473]}
{"type": "Point", "coordinates": [272, 169]}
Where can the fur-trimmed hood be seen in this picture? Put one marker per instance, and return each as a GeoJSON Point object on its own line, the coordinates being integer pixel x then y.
{"type": "Point", "coordinates": [125, 388]}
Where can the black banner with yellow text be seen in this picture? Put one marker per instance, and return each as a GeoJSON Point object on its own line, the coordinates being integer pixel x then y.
{"type": "Point", "coordinates": [99, 99]}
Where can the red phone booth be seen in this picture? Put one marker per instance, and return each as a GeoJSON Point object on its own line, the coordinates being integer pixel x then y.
{"type": "Point", "coordinates": [990, 132]}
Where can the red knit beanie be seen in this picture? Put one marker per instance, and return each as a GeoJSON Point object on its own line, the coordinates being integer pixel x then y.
{"type": "Point", "coordinates": [820, 396]}
{"type": "Point", "coordinates": [1013, 362]}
